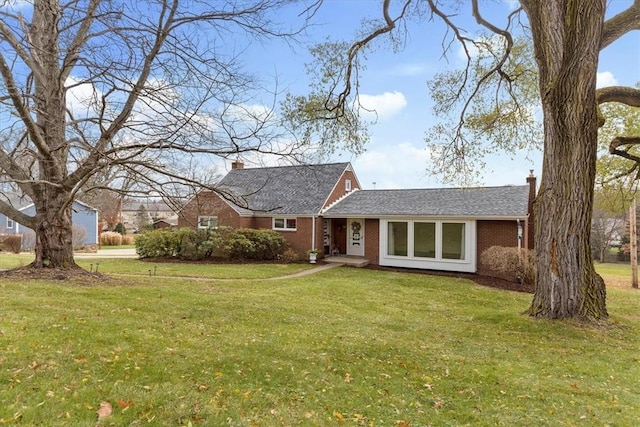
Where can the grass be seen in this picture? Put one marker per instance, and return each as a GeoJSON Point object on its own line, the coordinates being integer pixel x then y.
{"type": "Point", "coordinates": [132, 266]}
{"type": "Point", "coordinates": [341, 347]}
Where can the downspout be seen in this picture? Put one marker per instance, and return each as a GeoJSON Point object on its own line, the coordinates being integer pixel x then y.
{"type": "Point", "coordinates": [520, 233]}
{"type": "Point", "coordinates": [313, 232]}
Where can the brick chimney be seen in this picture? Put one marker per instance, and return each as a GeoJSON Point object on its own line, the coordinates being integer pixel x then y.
{"type": "Point", "coordinates": [237, 164]}
{"type": "Point", "coordinates": [531, 180]}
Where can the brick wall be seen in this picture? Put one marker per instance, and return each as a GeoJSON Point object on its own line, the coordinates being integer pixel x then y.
{"type": "Point", "coordinates": [372, 240]}
{"type": "Point", "coordinates": [210, 203]}
{"type": "Point", "coordinates": [339, 189]}
{"type": "Point", "coordinates": [495, 233]}
{"type": "Point", "coordinates": [299, 240]}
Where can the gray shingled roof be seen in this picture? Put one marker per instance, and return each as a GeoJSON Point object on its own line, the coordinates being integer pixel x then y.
{"type": "Point", "coordinates": [508, 201]}
{"type": "Point", "coordinates": [287, 190]}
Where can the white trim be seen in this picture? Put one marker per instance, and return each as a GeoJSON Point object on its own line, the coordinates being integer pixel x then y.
{"type": "Point", "coordinates": [10, 221]}
{"type": "Point", "coordinates": [285, 228]}
{"type": "Point", "coordinates": [468, 264]}
{"type": "Point", "coordinates": [209, 218]}
{"type": "Point", "coordinates": [355, 243]}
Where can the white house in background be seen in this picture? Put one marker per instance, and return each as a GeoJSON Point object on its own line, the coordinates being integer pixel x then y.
{"type": "Point", "coordinates": [135, 213]}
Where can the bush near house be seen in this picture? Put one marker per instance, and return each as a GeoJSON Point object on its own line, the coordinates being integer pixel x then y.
{"type": "Point", "coordinates": [11, 243]}
{"type": "Point", "coordinates": [111, 238]}
{"type": "Point", "coordinates": [226, 243]}
{"type": "Point", "coordinates": [513, 262]}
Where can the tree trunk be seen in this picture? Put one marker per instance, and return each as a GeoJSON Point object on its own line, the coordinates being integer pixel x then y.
{"type": "Point", "coordinates": [567, 42]}
{"type": "Point", "coordinates": [54, 243]}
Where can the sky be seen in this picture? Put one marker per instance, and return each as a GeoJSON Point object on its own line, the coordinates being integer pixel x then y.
{"type": "Point", "coordinates": [395, 84]}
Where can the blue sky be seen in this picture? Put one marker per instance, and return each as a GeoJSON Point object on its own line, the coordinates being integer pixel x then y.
{"type": "Point", "coordinates": [395, 83]}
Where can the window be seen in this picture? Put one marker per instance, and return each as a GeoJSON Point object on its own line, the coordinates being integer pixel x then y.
{"type": "Point", "coordinates": [347, 185]}
{"type": "Point", "coordinates": [289, 224]}
{"type": "Point", "coordinates": [9, 223]}
{"type": "Point", "coordinates": [452, 240]}
{"type": "Point", "coordinates": [427, 240]}
{"type": "Point", "coordinates": [205, 222]}
{"type": "Point", "coordinates": [398, 239]}
{"type": "Point", "coordinates": [424, 239]}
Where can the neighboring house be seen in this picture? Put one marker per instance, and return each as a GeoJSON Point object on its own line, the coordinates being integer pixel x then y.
{"type": "Point", "coordinates": [135, 214]}
{"type": "Point", "coordinates": [83, 217]}
{"type": "Point", "coordinates": [322, 207]}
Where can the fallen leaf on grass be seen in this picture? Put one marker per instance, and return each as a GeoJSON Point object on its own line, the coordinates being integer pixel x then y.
{"type": "Point", "coordinates": [105, 410]}
{"type": "Point", "coordinates": [124, 404]}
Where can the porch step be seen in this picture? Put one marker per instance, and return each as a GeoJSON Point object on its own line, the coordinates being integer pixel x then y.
{"type": "Point", "coordinates": [350, 260]}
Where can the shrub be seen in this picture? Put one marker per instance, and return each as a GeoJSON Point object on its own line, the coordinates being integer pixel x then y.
{"type": "Point", "coordinates": [119, 228]}
{"type": "Point", "coordinates": [127, 239]}
{"type": "Point", "coordinates": [12, 243]}
{"type": "Point", "coordinates": [182, 243]}
{"type": "Point", "coordinates": [519, 265]}
{"type": "Point", "coordinates": [78, 236]}
{"type": "Point", "coordinates": [289, 255]}
{"type": "Point", "coordinates": [257, 245]}
{"type": "Point", "coordinates": [111, 238]}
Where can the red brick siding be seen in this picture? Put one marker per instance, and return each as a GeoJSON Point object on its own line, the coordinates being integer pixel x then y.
{"type": "Point", "coordinates": [339, 190]}
{"type": "Point", "coordinates": [372, 240]}
{"type": "Point", "coordinates": [495, 233]}
{"type": "Point", "coordinates": [299, 240]}
{"type": "Point", "coordinates": [210, 203]}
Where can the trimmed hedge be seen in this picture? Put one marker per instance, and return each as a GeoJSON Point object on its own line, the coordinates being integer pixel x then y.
{"type": "Point", "coordinates": [190, 244]}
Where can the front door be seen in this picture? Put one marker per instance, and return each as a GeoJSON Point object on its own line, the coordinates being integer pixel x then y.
{"type": "Point", "coordinates": [355, 233]}
{"type": "Point", "coordinates": [338, 236]}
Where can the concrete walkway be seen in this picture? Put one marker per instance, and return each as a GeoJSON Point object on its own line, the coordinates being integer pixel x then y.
{"type": "Point", "coordinates": [313, 270]}
{"type": "Point", "coordinates": [108, 253]}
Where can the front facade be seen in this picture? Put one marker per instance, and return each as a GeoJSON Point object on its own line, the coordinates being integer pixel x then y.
{"type": "Point", "coordinates": [435, 229]}
{"type": "Point", "coordinates": [286, 199]}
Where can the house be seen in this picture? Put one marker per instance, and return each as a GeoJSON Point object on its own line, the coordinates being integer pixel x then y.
{"type": "Point", "coordinates": [136, 214]}
{"type": "Point", "coordinates": [83, 217]}
{"type": "Point", "coordinates": [323, 207]}
{"type": "Point", "coordinates": [288, 199]}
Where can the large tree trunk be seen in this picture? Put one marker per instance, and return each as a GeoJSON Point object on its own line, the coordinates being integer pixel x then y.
{"type": "Point", "coordinates": [567, 42]}
{"type": "Point", "coordinates": [52, 201]}
{"type": "Point", "coordinates": [54, 243]}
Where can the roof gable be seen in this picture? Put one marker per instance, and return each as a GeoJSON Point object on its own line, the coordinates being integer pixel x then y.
{"type": "Point", "coordinates": [507, 201]}
{"type": "Point", "coordinates": [286, 190]}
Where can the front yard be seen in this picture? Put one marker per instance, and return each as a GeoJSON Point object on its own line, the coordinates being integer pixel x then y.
{"type": "Point", "coordinates": [341, 347]}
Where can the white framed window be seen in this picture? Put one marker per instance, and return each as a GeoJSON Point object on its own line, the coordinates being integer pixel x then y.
{"type": "Point", "coordinates": [285, 224]}
{"type": "Point", "coordinates": [436, 240]}
{"type": "Point", "coordinates": [207, 221]}
{"type": "Point", "coordinates": [347, 185]}
{"type": "Point", "coordinates": [9, 223]}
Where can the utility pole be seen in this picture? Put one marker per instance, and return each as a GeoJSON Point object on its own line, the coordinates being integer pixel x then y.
{"type": "Point", "coordinates": [633, 237]}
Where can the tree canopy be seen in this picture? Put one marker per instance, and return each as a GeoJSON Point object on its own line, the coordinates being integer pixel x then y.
{"type": "Point", "coordinates": [565, 38]}
{"type": "Point", "coordinates": [126, 95]}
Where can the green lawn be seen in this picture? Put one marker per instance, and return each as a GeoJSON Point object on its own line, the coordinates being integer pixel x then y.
{"type": "Point", "coordinates": [132, 266]}
{"type": "Point", "coordinates": [341, 347]}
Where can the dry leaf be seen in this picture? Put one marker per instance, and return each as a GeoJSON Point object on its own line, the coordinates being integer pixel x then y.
{"type": "Point", "coordinates": [124, 404]}
{"type": "Point", "coordinates": [105, 410]}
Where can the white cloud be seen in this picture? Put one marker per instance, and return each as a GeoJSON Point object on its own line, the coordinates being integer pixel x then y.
{"type": "Point", "coordinates": [409, 70]}
{"type": "Point", "coordinates": [606, 78]}
{"type": "Point", "coordinates": [81, 97]}
{"type": "Point", "coordinates": [402, 165]}
{"type": "Point", "coordinates": [382, 106]}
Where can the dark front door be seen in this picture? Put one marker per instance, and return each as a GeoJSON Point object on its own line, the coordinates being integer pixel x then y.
{"type": "Point", "coordinates": [339, 235]}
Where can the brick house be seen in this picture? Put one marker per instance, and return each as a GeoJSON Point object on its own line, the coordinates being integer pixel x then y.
{"type": "Point", "coordinates": [323, 207]}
